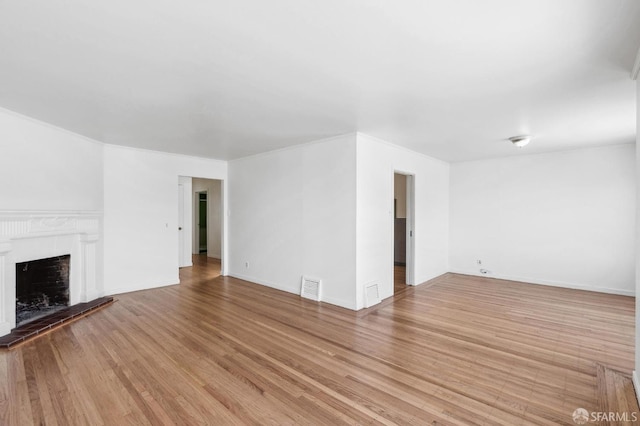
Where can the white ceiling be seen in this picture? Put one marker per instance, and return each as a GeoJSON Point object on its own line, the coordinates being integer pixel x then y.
{"type": "Point", "coordinates": [451, 78]}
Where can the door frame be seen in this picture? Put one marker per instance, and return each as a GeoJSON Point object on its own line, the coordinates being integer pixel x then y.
{"type": "Point", "coordinates": [189, 218]}
{"type": "Point", "coordinates": [410, 231]}
{"type": "Point", "coordinates": [219, 201]}
{"type": "Point", "coordinates": [181, 226]}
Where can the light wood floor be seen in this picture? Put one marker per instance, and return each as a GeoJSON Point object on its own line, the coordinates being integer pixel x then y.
{"type": "Point", "coordinates": [217, 350]}
{"type": "Point", "coordinates": [399, 279]}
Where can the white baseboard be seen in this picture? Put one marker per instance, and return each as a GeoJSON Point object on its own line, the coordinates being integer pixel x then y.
{"type": "Point", "coordinates": [545, 282]}
{"type": "Point", "coordinates": [338, 302]}
{"type": "Point", "coordinates": [432, 280]}
{"type": "Point", "coordinates": [129, 289]}
{"type": "Point", "coordinates": [296, 290]}
{"type": "Point", "coordinates": [255, 280]}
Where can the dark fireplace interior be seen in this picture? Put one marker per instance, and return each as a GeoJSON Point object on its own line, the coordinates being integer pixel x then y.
{"type": "Point", "coordinates": [42, 287]}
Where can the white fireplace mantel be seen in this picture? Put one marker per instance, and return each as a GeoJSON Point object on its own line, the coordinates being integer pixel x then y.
{"type": "Point", "coordinates": [32, 235]}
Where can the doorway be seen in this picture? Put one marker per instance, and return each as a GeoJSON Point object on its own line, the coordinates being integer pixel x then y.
{"type": "Point", "coordinates": [201, 222]}
{"type": "Point", "coordinates": [207, 218]}
{"type": "Point", "coordinates": [403, 231]}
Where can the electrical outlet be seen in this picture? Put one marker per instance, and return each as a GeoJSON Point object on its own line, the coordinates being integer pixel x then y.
{"type": "Point", "coordinates": [478, 262]}
{"type": "Point", "coordinates": [246, 265]}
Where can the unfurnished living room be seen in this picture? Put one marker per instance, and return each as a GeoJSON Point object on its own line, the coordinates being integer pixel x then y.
{"type": "Point", "coordinates": [319, 212]}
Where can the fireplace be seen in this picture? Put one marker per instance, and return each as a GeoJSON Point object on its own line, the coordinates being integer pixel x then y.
{"type": "Point", "coordinates": [70, 239]}
{"type": "Point", "coordinates": [42, 287]}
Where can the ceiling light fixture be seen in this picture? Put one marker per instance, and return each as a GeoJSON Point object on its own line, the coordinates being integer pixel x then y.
{"type": "Point", "coordinates": [520, 141]}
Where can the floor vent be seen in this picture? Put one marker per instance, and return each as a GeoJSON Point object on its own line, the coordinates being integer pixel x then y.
{"type": "Point", "coordinates": [372, 295]}
{"type": "Point", "coordinates": [310, 288]}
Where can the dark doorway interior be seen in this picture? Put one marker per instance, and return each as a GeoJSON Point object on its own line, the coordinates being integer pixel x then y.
{"type": "Point", "coordinates": [399, 231]}
{"type": "Point", "coordinates": [202, 222]}
{"type": "Point", "coordinates": [399, 219]}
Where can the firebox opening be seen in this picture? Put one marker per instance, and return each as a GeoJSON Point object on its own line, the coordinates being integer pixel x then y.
{"type": "Point", "coordinates": [42, 287]}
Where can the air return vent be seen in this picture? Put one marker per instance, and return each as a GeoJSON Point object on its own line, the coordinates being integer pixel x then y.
{"type": "Point", "coordinates": [372, 297]}
{"type": "Point", "coordinates": [310, 288]}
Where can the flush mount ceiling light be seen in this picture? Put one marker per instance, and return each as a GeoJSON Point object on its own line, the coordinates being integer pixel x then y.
{"type": "Point", "coordinates": [520, 141]}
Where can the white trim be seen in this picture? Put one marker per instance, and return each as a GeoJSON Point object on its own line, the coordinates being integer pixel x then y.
{"type": "Point", "coordinates": [170, 154]}
{"type": "Point", "coordinates": [292, 147]}
{"type": "Point", "coordinates": [5, 247]}
{"type": "Point", "coordinates": [401, 148]}
{"type": "Point", "coordinates": [636, 385]}
{"type": "Point", "coordinates": [16, 224]}
{"type": "Point", "coordinates": [552, 151]}
{"type": "Point", "coordinates": [102, 143]}
{"type": "Point", "coordinates": [99, 142]}
{"type": "Point", "coordinates": [548, 283]}
{"type": "Point", "coordinates": [156, 284]}
{"type": "Point", "coordinates": [13, 214]}
{"type": "Point", "coordinates": [433, 280]}
{"type": "Point", "coordinates": [410, 237]}
{"type": "Point", "coordinates": [294, 290]}
{"type": "Point", "coordinates": [339, 302]}
{"type": "Point", "coordinates": [635, 71]}
{"type": "Point", "coordinates": [50, 126]}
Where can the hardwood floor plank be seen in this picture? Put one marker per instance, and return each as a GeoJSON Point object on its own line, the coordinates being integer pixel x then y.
{"type": "Point", "coordinates": [216, 350]}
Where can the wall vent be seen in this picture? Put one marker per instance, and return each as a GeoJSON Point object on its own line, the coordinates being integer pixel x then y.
{"type": "Point", "coordinates": [310, 288]}
{"type": "Point", "coordinates": [372, 296]}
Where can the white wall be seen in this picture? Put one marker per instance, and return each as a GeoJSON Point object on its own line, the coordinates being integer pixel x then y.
{"type": "Point", "coordinates": [326, 209]}
{"type": "Point", "coordinates": [564, 218]}
{"type": "Point", "coordinates": [141, 214]}
{"type": "Point", "coordinates": [49, 168]}
{"type": "Point", "coordinates": [46, 168]}
{"type": "Point", "coordinates": [376, 163]}
{"type": "Point", "coordinates": [214, 216]}
{"type": "Point", "coordinates": [293, 214]}
{"type": "Point", "coordinates": [43, 167]}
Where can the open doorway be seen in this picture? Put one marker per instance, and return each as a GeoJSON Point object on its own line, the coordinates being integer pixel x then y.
{"type": "Point", "coordinates": [201, 223]}
{"type": "Point", "coordinates": [207, 218]}
{"type": "Point", "coordinates": [403, 236]}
